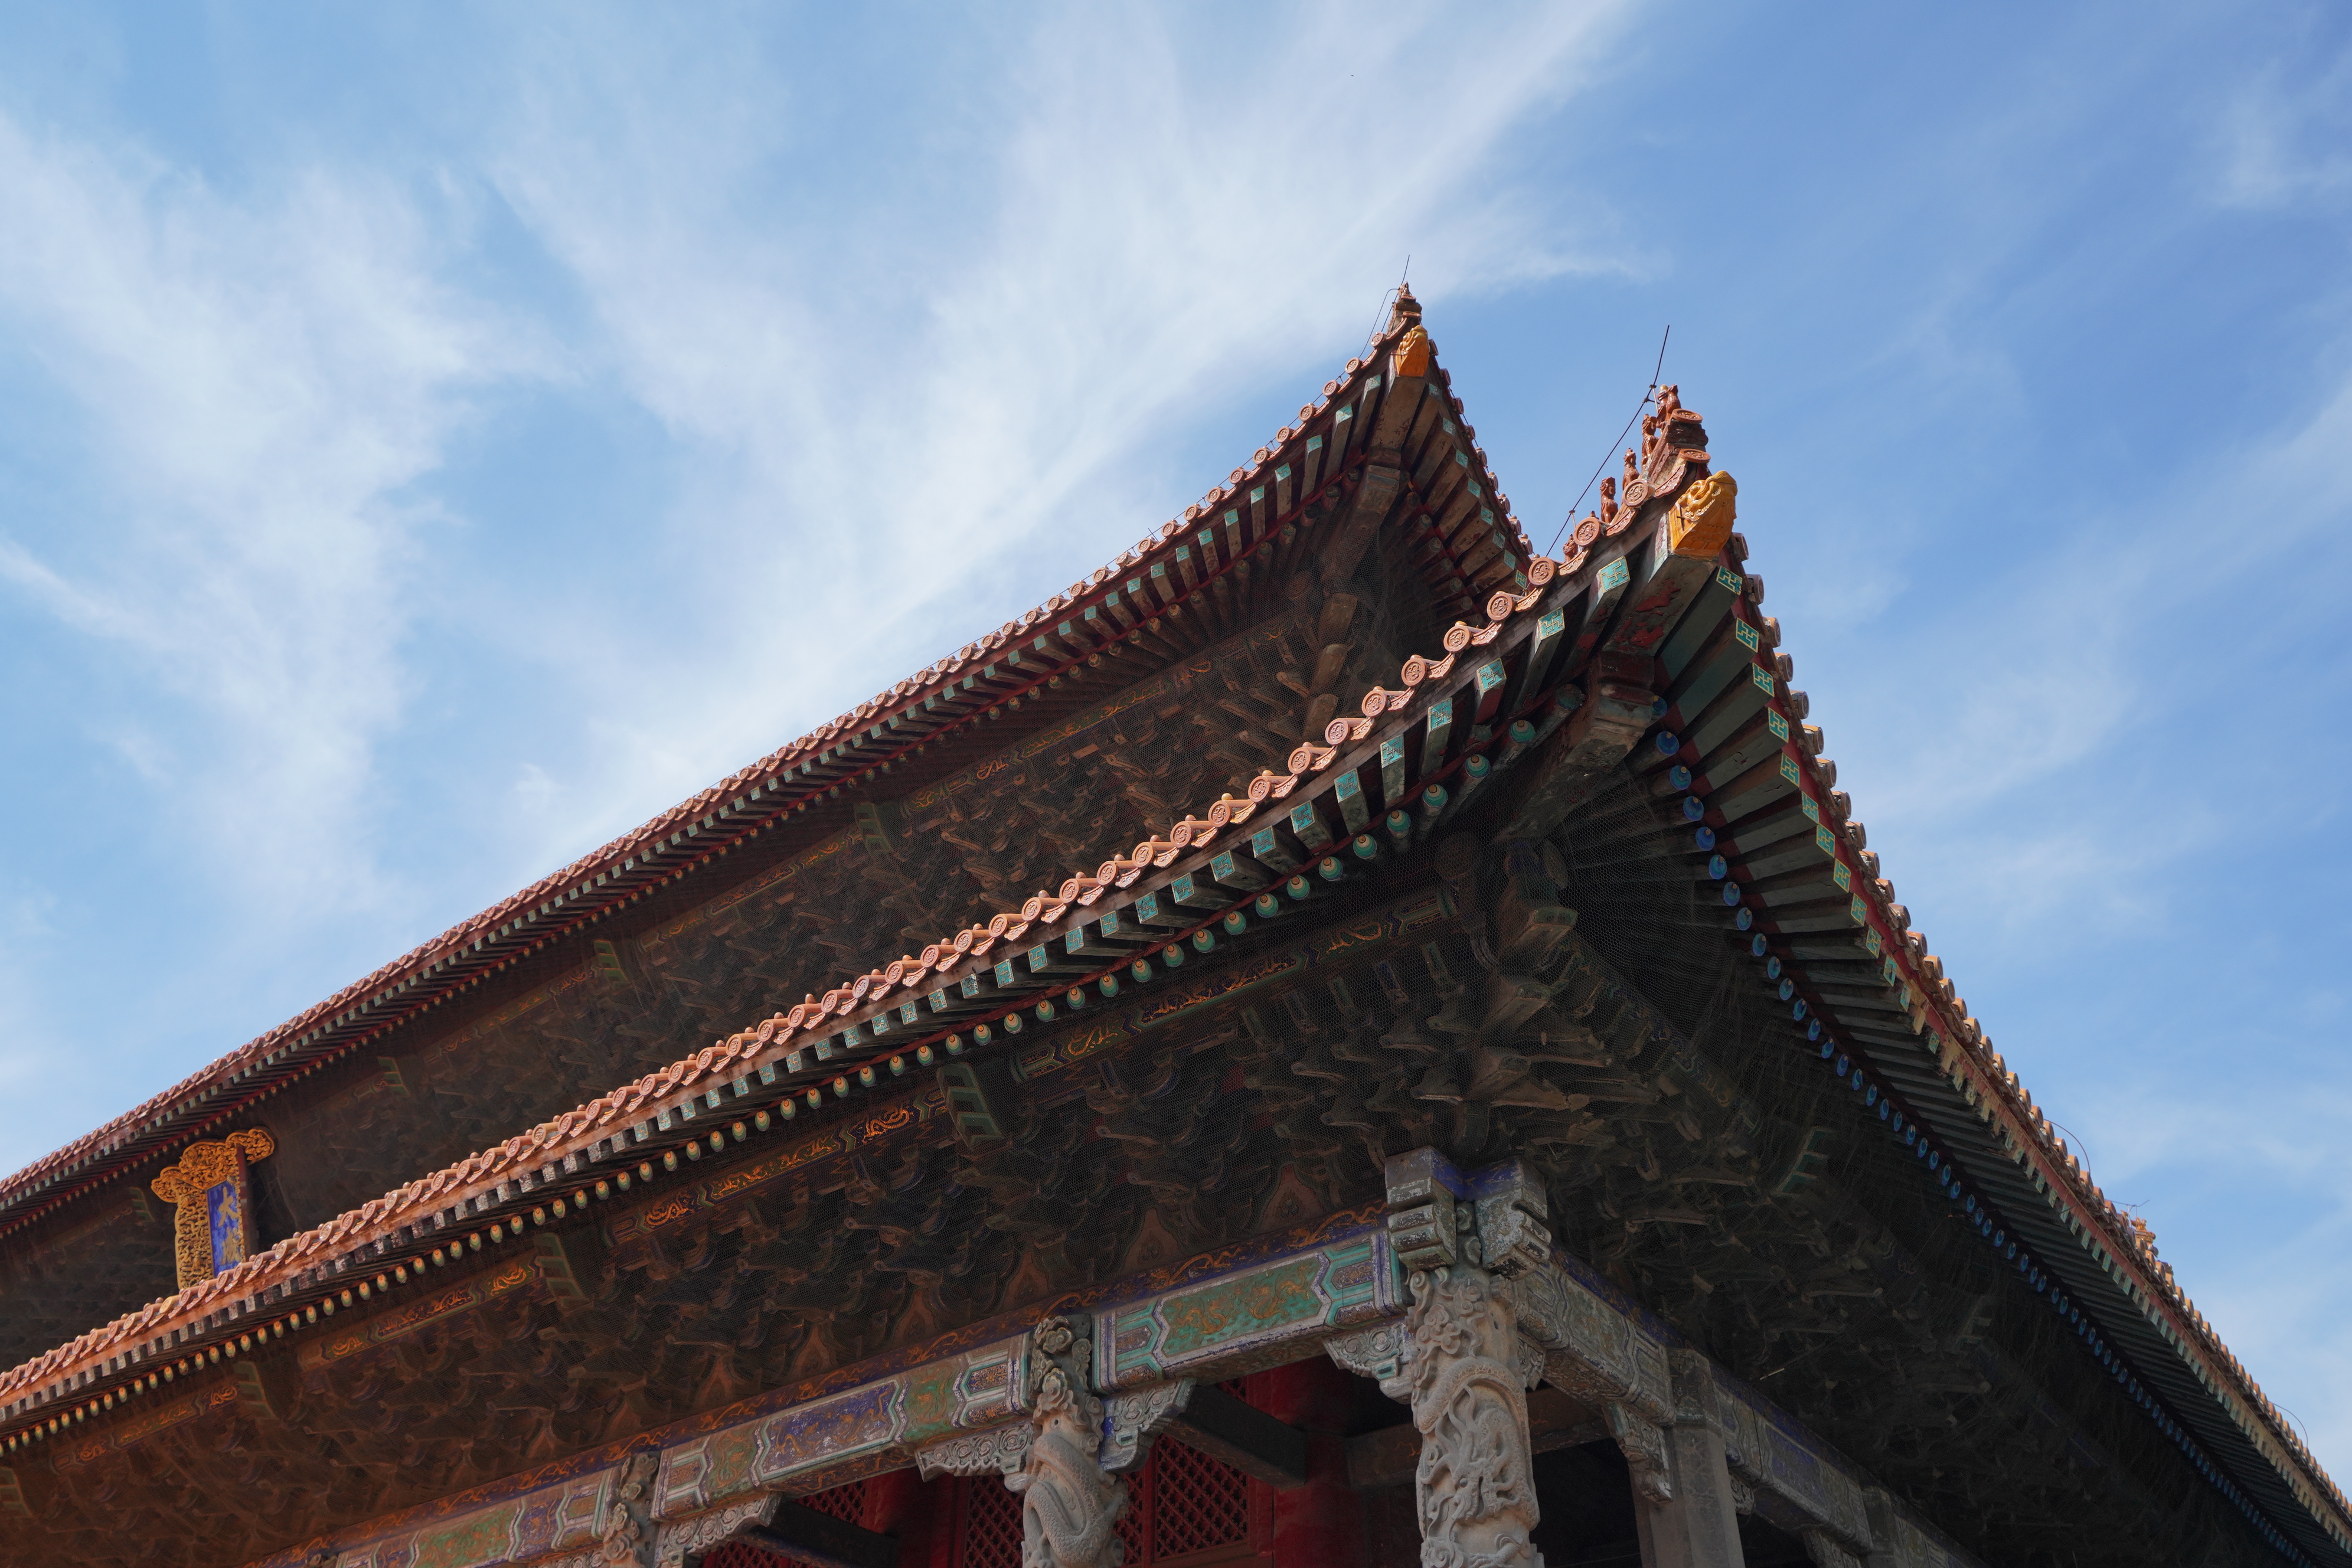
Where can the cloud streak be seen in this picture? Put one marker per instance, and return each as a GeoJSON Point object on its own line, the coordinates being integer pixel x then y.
{"type": "Point", "coordinates": [902, 356]}
{"type": "Point", "coordinates": [897, 418]}
{"type": "Point", "coordinates": [253, 385]}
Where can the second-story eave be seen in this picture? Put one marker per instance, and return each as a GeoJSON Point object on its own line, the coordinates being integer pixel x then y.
{"type": "Point", "coordinates": [1468, 544]}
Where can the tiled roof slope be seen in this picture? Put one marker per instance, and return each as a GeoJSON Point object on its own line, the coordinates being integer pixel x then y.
{"type": "Point", "coordinates": [777, 1050]}
{"type": "Point", "coordinates": [1914, 1040]}
{"type": "Point", "coordinates": [1464, 553]}
{"type": "Point", "coordinates": [1981, 1118]}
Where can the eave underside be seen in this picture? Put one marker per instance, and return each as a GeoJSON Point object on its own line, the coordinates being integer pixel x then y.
{"type": "Point", "coordinates": [1860, 1302]}
{"type": "Point", "coordinates": [1207, 695]}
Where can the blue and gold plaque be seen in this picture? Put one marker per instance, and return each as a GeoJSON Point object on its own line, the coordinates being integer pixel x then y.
{"type": "Point", "coordinates": [208, 1188]}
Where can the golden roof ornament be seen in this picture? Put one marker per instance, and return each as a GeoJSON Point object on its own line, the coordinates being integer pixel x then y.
{"type": "Point", "coordinates": [1700, 524]}
{"type": "Point", "coordinates": [213, 1231]}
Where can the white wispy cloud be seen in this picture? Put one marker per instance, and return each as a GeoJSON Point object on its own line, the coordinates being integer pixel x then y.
{"type": "Point", "coordinates": [2047, 703]}
{"type": "Point", "coordinates": [904, 410]}
{"type": "Point", "coordinates": [2272, 1281]}
{"type": "Point", "coordinates": [2279, 135]}
{"type": "Point", "coordinates": [253, 380]}
{"type": "Point", "coordinates": [911, 362]}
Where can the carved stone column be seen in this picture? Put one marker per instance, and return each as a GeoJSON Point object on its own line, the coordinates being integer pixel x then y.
{"type": "Point", "coordinates": [1070, 1505]}
{"type": "Point", "coordinates": [1828, 1552]}
{"type": "Point", "coordinates": [1462, 1366]}
{"type": "Point", "coordinates": [1689, 1515]}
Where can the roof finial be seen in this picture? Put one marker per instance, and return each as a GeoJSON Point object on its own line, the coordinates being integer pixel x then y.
{"type": "Point", "coordinates": [1405, 312]}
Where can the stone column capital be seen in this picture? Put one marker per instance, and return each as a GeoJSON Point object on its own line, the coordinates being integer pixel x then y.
{"type": "Point", "coordinates": [1070, 1506]}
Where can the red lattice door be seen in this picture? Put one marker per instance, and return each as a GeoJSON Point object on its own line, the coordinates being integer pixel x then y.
{"type": "Point", "coordinates": [988, 1525]}
{"type": "Point", "coordinates": [1184, 1510]}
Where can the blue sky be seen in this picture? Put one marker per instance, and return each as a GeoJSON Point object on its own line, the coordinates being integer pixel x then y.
{"type": "Point", "coordinates": [433, 441]}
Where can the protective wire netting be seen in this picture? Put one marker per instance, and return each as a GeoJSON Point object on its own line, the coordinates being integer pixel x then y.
{"type": "Point", "coordinates": [1643, 899]}
{"type": "Point", "coordinates": [1836, 1262]}
{"type": "Point", "coordinates": [1636, 876]}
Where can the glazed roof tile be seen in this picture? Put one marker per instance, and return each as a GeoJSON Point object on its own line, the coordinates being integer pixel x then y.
{"type": "Point", "coordinates": [530, 1155]}
{"type": "Point", "coordinates": [1305, 457]}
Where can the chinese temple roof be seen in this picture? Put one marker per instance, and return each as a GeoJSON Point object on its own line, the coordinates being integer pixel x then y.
{"type": "Point", "coordinates": [1472, 546]}
{"type": "Point", "coordinates": [1903, 1031]}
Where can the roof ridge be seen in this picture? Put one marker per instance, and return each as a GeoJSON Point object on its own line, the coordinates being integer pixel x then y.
{"type": "Point", "coordinates": [2134, 1244]}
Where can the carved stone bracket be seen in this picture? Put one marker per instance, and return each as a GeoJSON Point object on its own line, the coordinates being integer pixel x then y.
{"type": "Point", "coordinates": [1828, 1552]}
{"type": "Point", "coordinates": [1512, 1240]}
{"type": "Point", "coordinates": [1645, 1446]}
{"type": "Point", "coordinates": [1070, 1506]}
{"type": "Point", "coordinates": [997, 1451]}
{"type": "Point", "coordinates": [1528, 1360]}
{"type": "Point", "coordinates": [683, 1541]}
{"type": "Point", "coordinates": [1131, 1420]}
{"type": "Point", "coordinates": [1374, 1352]}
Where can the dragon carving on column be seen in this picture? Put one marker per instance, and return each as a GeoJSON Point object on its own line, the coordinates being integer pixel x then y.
{"type": "Point", "coordinates": [1474, 1488]}
{"type": "Point", "coordinates": [1070, 1506]}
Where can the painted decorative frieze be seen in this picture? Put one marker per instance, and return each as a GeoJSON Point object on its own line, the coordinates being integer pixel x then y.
{"type": "Point", "coordinates": [1225, 1317]}
{"type": "Point", "coordinates": [575, 1523]}
{"type": "Point", "coordinates": [1487, 1309]}
{"type": "Point", "coordinates": [1767, 1450]}
{"type": "Point", "coordinates": [862, 1430]}
{"type": "Point", "coordinates": [1592, 1348]}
